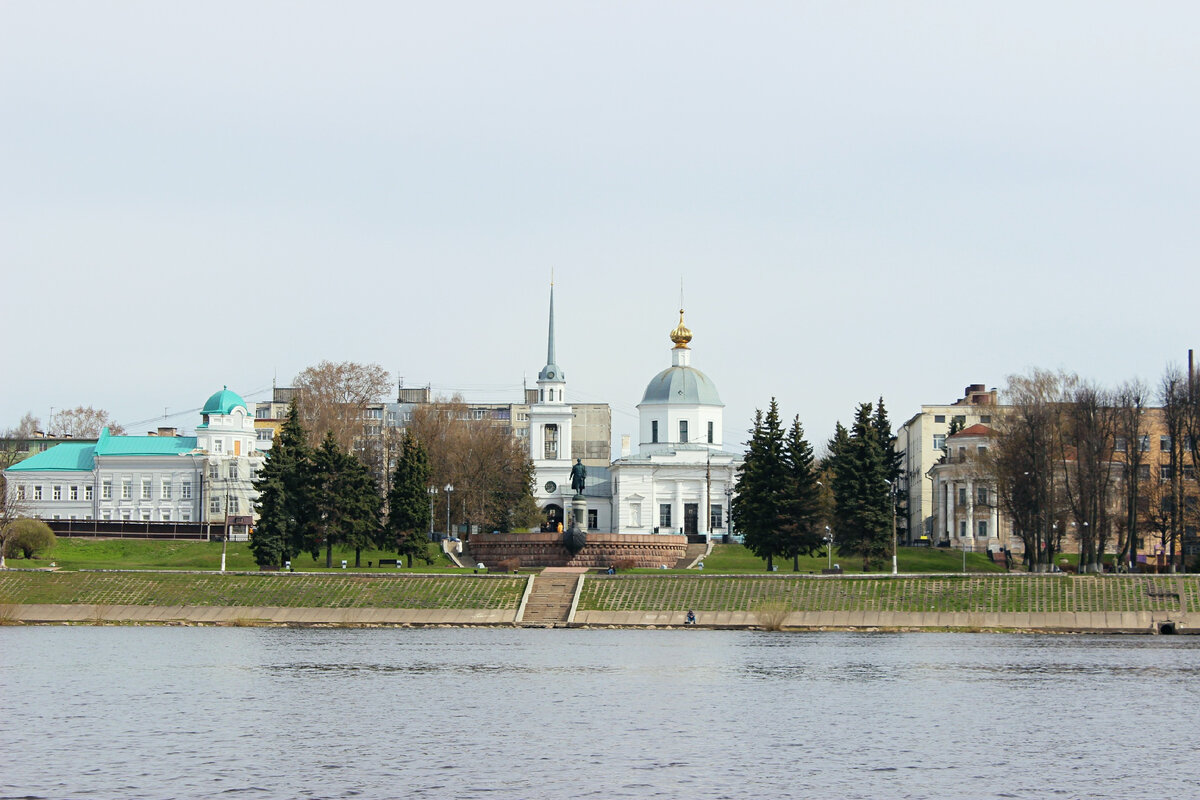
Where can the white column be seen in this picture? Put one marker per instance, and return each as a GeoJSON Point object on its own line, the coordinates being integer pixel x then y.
{"type": "Point", "coordinates": [971, 513]}
{"type": "Point", "coordinates": [952, 523]}
{"type": "Point", "coordinates": [677, 509]}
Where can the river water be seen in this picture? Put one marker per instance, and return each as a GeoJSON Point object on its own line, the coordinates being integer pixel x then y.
{"type": "Point", "coordinates": [161, 712]}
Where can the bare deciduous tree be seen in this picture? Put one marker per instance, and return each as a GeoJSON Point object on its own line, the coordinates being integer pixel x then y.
{"type": "Point", "coordinates": [333, 398]}
{"type": "Point", "coordinates": [1088, 472]}
{"type": "Point", "coordinates": [489, 468]}
{"type": "Point", "coordinates": [1130, 403]}
{"type": "Point", "coordinates": [12, 508]}
{"type": "Point", "coordinates": [83, 422]}
{"type": "Point", "coordinates": [1173, 394]}
{"type": "Point", "coordinates": [1024, 456]}
{"type": "Point", "coordinates": [24, 429]}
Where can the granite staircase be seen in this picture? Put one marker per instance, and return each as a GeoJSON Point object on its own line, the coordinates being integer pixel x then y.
{"type": "Point", "coordinates": [549, 602]}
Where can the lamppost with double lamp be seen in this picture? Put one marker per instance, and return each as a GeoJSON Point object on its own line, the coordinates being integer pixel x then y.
{"type": "Point", "coordinates": [829, 545]}
{"type": "Point", "coordinates": [432, 494]}
{"type": "Point", "coordinates": [728, 537]}
{"type": "Point", "coordinates": [449, 489]}
{"type": "Point", "coordinates": [895, 563]}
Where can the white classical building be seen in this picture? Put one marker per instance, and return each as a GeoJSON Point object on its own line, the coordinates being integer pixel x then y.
{"type": "Point", "coordinates": [155, 478]}
{"type": "Point", "coordinates": [966, 509]}
{"type": "Point", "coordinates": [681, 478]}
{"type": "Point", "coordinates": [551, 434]}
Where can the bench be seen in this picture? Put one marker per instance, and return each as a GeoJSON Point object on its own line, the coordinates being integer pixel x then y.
{"type": "Point", "coordinates": [834, 571]}
{"type": "Point", "coordinates": [999, 557]}
{"type": "Point", "coordinates": [389, 562]}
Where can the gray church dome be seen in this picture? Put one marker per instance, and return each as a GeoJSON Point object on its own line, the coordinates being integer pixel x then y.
{"type": "Point", "coordinates": [683, 385]}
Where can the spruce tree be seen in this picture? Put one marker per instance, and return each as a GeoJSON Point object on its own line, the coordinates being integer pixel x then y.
{"type": "Point", "coordinates": [281, 491]}
{"type": "Point", "coordinates": [345, 501]}
{"type": "Point", "coordinates": [758, 509]}
{"type": "Point", "coordinates": [800, 534]}
{"type": "Point", "coordinates": [408, 501]}
{"type": "Point", "coordinates": [863, 515]}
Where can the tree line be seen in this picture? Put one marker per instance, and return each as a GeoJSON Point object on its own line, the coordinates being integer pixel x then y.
{"type": "Point", "coordinates": [1112, 468]}
{"type": "Point", "coordinates": [790, 504]}
{"type": "Point", "coordinates": [311, 499]}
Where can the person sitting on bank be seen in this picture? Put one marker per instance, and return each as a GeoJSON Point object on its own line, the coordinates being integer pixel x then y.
{"type": "Point", "coordinates": [691, 618]}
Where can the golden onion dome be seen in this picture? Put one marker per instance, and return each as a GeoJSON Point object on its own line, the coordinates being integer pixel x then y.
{"type": "Point", "coordinates": [681, 335]}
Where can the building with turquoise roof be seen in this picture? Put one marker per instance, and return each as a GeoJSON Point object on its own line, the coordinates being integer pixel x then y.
{"type": "Point", "coordinates": [149, 479]}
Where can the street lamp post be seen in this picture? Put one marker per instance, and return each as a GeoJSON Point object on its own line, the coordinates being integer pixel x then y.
{"type": "Point", "coordinates": [432, 493]}
{"type": "Point", "coordinates": [449, 489]}
{"type": "Point", "coordinates": [892, 489]}
{"type": "Point", "coordinates": [829, 545]}
{"type": "Point", "coordinates": [728, 514]}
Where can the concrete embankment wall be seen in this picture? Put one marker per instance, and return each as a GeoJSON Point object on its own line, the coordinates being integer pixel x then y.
{"type": "Point", "coordinates": [985, 602]}
{"type": "Point", "coordinates": [1065, 622]}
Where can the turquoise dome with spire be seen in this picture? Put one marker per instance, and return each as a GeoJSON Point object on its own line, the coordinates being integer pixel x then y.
{"type": "Point", "coordinates": [224, 402]}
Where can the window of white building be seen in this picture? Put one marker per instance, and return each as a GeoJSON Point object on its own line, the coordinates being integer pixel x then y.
{"type": "Point", "coordinates": [165, 490]}
{"type": "Point", "coordinates": [74, 492]}
{"type": "Point", "coordinates": [664, 515]}
{"type": "Point", "coordinates": [218, 446]}
{"type": "Point", "coordinates": [166, 515]}
{"type": "Point", "coordinates": [939, 441]}
{"type": "Point", "coordinates": [106, 514]}
{"type": "Point", "coordinates": [233, 471]}
{"type": "Point", "coordinates": [37, 493]}
{"type": "Point", "coordinates": [56, 492]}
{"type": "Point", "coordinates": [983, 529]}
{"type": "Point", "coordinates": [126, 488]}
{"type": "Point", "coordinates": [87, 492]}
{"type": "Point", "coordinates": [145, 515]}
{"type": "Point", "coordinates": [654, 431]}
{"type": "Point", "coordinates": [683, 431]}
{"type": "Point", "coordinates": [185, 490]}
{"type": "Point", "coordinates": [710, 432]}
{"type": "Point", "coordinates": [145, 488]}
{"type": "Point", "coordinates": [20, 492]}
{"type": "Point", "coordinates": [716, 517]}
{"type": "Point", "coordinates": [106, 489]}
{"type": "Point", "coordinates": [214, 504]}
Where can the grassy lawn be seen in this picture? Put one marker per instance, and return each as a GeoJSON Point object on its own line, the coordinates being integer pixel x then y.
{"type": "Point", "coordinates": [298, 590]}
{"type": "Point", "coordinates": [188, 555]}
{"type": "Point", "coordinates": [735, 558]}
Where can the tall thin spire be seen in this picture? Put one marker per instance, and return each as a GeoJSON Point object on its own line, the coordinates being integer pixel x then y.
{"type": "Point", "coordinates": [550, 339]}
{"type": "Point", "coordinates": [551, 372]}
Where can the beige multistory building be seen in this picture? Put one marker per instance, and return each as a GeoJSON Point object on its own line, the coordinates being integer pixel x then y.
{"type": "Point", "coordinates": [920, 441]}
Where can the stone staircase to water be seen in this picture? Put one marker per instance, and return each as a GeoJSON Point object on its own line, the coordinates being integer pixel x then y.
{"type": "Point", "coordinates": [550, 599]}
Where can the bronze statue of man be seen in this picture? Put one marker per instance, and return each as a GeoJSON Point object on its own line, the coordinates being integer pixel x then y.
{"type": "Point", "coordinates": [578, 476]}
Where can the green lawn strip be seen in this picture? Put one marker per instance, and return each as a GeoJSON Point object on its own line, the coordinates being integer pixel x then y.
{"type": "Point", "coordinates": [286, 590]}
{"type": "Point", "coordinates": [974, 594]}
{"type": "Point", "coordinates": [85, 553]}
{"type": "Point", "coordinates": [736, 558]}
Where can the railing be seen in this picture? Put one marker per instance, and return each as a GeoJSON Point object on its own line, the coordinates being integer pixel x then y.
{"type": "Point", "coordinates": [131, 529]}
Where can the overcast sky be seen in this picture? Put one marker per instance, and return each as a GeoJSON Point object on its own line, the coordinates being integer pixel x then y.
{"type": "Point", "coordinates": [860, 199]}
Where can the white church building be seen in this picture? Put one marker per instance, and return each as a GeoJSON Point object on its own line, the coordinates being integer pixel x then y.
{"type": "Point", "coordinates": [680, 480]}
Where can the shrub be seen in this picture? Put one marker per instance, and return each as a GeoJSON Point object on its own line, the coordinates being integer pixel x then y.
{"type": "Point", "coordinates": [28, 537]}
{"type": "Point", "coordinates": [771, 613]}
{"type": "Point", "coordinates": [625, 564]}
{"type": "Point", "coordinates": [509, 565]}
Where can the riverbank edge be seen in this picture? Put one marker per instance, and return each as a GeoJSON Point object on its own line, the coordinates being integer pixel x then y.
{"type": "Point", "coordinates": [1104, 622]}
